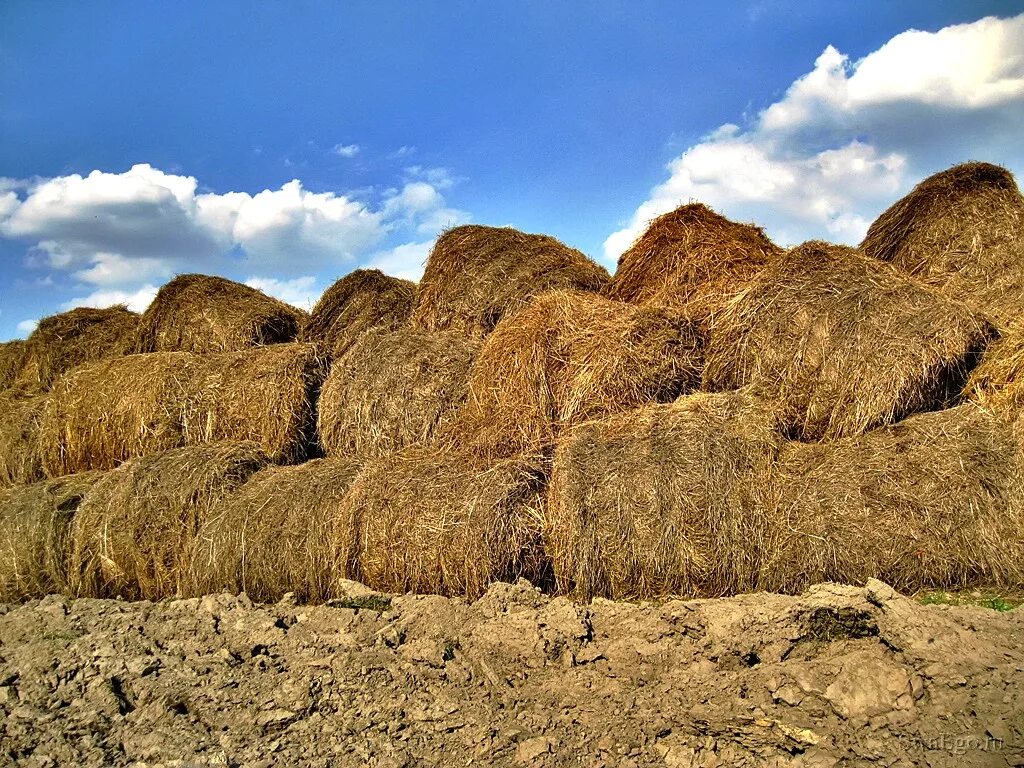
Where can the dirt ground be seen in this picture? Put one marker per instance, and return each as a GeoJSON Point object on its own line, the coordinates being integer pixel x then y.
{"type": "Point", "coordinates": [840, 676]}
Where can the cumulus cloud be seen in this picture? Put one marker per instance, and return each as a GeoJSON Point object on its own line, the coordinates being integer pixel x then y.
{"type": "Point", "coordinates": [849, 137]}
{"type": "Point", "coordinates": [136, 300]}
{"type": "Point", "coordinates": [346, 150]}
{"type": "Point", "coordinates": [302, 292]}
{"type": "Point", "coordinates": [25, 327]}
{"type": "Point", "coordinates": [405, 261]}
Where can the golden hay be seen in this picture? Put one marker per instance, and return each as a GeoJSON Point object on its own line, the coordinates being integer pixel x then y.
{"type": "Point", "coordinates": [845, 343]}
{"type": "Point", "coordinates": [115, 410]}
{"type": "Point", "coordinates": [568, 357]}
{"type": "Point", "coordinates": [998, 381]}
{"type": "Point", "coordinates": [65, 341]}
{"type": "Point", "coordinates": [446, 522]}
{"type": "Point", "coordinates": [364, 300]}
{"type": "Point", "coordinates": [280, 532]}
{"type": "Point", "coordinates": [663, 500]}
{"type": "Point", "coordinates": [393, 389]}
{"type": "Point", "coordinates": [12, 356]}
{"type": "Point", "coordinates": [134, 533]}
{"type": "Point", "coordinates": [34, 523]}
{"type": "Point", "coordinates": [691, 257]}
{"type": "Point", "coordinates": [476, 275]}
{"type": "Point", "coordinates": [202, 313]}
{"type": "Point", "coordinates": [932, 502]}
{"type": "Point", "coordinates": [20, 460]}
{"type": "Point", "coordinates": [961, 230]}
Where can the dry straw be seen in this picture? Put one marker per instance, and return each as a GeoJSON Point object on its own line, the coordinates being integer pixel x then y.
{"type": "Point", "coordinates": [476, 275]}
{"type": "Point", "coordinates": [446, 522]}
{"type": "Point", "coordinates": [663, 500]}
{"type": "Point", "coordinates": [134, 533]}
{"type": "Point", "coordinates": [20, 417]}
{"type": "Point", "coordinates": [65, 341]}
{"type": "Point", "coordinates": [34, 523]}
{"type": "Point", "coordinates": [12, 356]}
{"type": "Point", "coordinates": [201, 313]}
{"type": "Point", "coordinates": [393, 389]}
{"type": "Point", "coordinates": [364, 300]}
{"type": "Point", "coordinates": [691, 257]}
{"type": "Point", "coordinates": [845, 343]}
{"type": "Point", "coordinates": [998, 381]}
{"type": "Point", "coordinates": [961, 230]}
{"type": "Point", "coordinates": [109, 412]}
{"type": "Point", "coordinates": [568, 357]}
{"type": "Point", "coordinates": [283, 531]}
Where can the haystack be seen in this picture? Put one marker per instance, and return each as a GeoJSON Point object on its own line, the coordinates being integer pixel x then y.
{"type": "Point", "coordinates": [280, 532]}
{"type": "Point", "coordinates": [691, 257]}
{"type": "Point", "coordinates": [12, 356]}
{"type": "Point", "coordinates": [998, 381]}
{"type": "Point", "coordinates": [134, 533]}
{"type": "Point", "coordinates": [393, 389]}
{"type": "Point", "coordinates": [65, 341]}
{"type": "Point", "coordinates": [568, 357]}
{"type": "Point", "coordinates": [445, 522]}
{"type": "Point", "coordinates": [20, 417]}
{"type": "Point", "coordinates": [663, 500]}
{"type": "Point", "coordinates": [845, 343]}
{"type": "Point", "coordinates": [108, 412]}
{"type": "Point", "coordinates": [364, 300]}
{"type": "Point", "coordinates": [961, 230]}
{"type": "Point", "coordinates": [932, 502]}
{"type": "Point", "coordinates": [201, 313]}
{"type": "Point", "coordinates": [34, 523]}
{"type": "Point", "coordinates": [476, 275]}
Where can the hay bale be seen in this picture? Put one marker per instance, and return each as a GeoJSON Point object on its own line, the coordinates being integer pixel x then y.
{"type": "Point", "coordinates": [34, 523]}
{"type": "Point", "coordinates": [12, 356]}
{"type": "Point", "coordinates": [961, 230]}
{"type": "Point", "coordinates": [692, 258]}
{"type": "Point", "coordinates": [663, 500]}
{"type": "Point", "coordinates": [569, 357]}
{"type": "Point", "coordinates": [134, 533]}
{"type": "Point", "coordinates": [20, 417]}
{"type": "Point", "coordinates": [108, 412]}
{"type": "Point", "coordinates": [65, 341]}
{"type": "Point", "coordinates": [476, 275]}
{"type": "Point", "coordinates": [845, 343]}
{"type": "Point", "coordinates": [998, 381]}
{"type": "Point", "coordinates": [446, 522]}
{"type": "Point", "coordinates": [280, 532]}
{"type": "Point", "coordinates": [391, 390]}
{"type": "Point", "coordinates": [202, 313]}
{"type": "Point", "coordinates": [934, 501]}
{"type": "Point", "coordinates": [364, 300]}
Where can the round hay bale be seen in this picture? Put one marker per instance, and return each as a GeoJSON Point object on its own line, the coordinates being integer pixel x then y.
{"type": "Point", "coordinates": [108, 412]}
{"type": "Point", "coordinates": [569, 357]}
{"type": "Point", "coordinates": [20, 455]}
{"type": "Point", "coordinates": [998, 381]}
{"type": "Point", "coordinates": [445, 522]}
{"type": "Point", "coordinates": [693, 258]}
{"type": "Point", "coordinates": [134, 532]}
{"type": "Point", "coordinates": [391, 390]}
{"type": "Point", "coordinates": [961, 230]}
{"type": "Point", "coordinates": [202, 313]}
{"type": "Point", "coordinates": [34, 523]}
{"type": "Point", "coordinates": [845, 343]}
{"type": "Point", "coordinates": [364, 300]}
{"type": "Point", "coordinates": [663, 500]}
{"type": "Point", "coordinates": [280, 532]}
{"type": "Point", "coordinates": [931, 502]}
{"type": "Point", "coordinates": [65, 341]}
{"type": "Point", "coordinates": [476, 275]}
{"type": "Point", "coordinates": [12, 357]}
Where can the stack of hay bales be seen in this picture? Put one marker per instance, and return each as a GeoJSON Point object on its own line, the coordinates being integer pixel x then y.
{"type": "Point", "coordinates": [842, 342]}
{"type": "Point", "coordinates": [201, 313]}
{"type": "Point", "coordinates": [362, 301]}
{"type": "Point", "coordinates": [476, 275]}
{"type": "Point", "coordinates": [12, 357]}
{"type": "Point", "coordinates": [20, 420]}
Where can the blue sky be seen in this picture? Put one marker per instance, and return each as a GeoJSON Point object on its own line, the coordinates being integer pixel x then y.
{"type": "Point", "coordinates": [285, 144]}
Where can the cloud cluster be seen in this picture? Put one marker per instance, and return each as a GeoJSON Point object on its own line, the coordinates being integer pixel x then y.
{"type": "Point", "coordinates": [850, 136]}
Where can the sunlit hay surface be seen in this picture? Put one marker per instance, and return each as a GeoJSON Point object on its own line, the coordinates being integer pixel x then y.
{"type": "Point", "coordinates": [362, 301]}
{"type": "Point", "coordinates": [845, 343]}
{"type": "Point", "coordinates": [134, 533]}
{"type": "Point", "coordinates": [998, 381]}
{"type": "Point", "coordinates": [663, 500]}
{"type": "Point", "coordinates": [20, 419]}
{"type": "Point", "coordinates": [12, 357]}
{"type": "Point", "coordinates": [476, 275]}
{"type": "Point", "coordinates": [393, 389]}
{"type": "Point", "coordinates": [961, 230]}
{"type": "Point", "coordinates": [202, 313]}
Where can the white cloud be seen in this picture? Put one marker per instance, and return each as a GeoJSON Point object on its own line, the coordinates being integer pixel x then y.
{"type": "Point", "coordinates": [25, 327]}
{"type": "Point", "coordinates": [849, 137]}
{"type": "Point", "coordinates": [420, 204]}
{"type": "Point", "coordinates": [136, 300]}
{"type": "Point", "coordinates": [405, 261]}
{"type": "Point", "coordinates": [346, 150]}
{"type": "Point", "coordinates": [302, 292]}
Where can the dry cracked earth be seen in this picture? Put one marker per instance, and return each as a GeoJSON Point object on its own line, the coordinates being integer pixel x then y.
{"type": "Point", "coordinates": [839, 676]}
